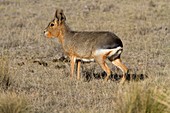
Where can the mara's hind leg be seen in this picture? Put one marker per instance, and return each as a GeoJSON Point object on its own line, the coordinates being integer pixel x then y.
{"type": "Point", "coordinates": [101, 61]}
{"type": "Point", "coordinates": [117, 62]}
{"type": "Point", "coordinates": [78, 69]}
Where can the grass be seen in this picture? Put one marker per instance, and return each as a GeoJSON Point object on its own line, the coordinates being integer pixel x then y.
{"type": "Point", "coordinates": [4, 73]}
{"type": "Point", "coordinates": [34, 77]}
{"type": "Point", "coordinates": [12, 103]}
{"type": "Point", "coordinates": [139, 99]}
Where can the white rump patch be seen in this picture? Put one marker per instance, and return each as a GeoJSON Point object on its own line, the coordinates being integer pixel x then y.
{"type": "Point", "coordinates": [111, 52]}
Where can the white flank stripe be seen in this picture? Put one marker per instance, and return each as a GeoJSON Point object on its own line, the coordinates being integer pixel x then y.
{"type": "Point", "coordinates": [110, 51]}
{"type": "Point", "coordinates": [86, 60]}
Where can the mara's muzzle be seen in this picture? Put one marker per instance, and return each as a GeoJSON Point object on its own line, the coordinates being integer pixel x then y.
{"type": "Point", "coordinates": [47, 34]}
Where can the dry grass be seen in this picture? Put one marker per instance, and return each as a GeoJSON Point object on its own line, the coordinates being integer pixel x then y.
{"type": "Point", "coordinates": [4, 73]}
{"type": "Point", "coordinates": [137, 98]}
{"type": "Point", "coordinates": [31, 65]}
{"type": "Point", "coordinates": [12, 103]}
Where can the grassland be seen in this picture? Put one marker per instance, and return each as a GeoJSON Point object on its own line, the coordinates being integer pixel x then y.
{"type": "Point", "coordinates": [34, 78]}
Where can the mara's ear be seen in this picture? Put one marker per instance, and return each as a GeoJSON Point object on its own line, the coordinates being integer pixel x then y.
{"type": "Point", "coordinates": [59, 15]}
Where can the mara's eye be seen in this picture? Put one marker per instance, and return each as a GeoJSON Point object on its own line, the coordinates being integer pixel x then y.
{"type": "Point", "coordinates": [51, 25]}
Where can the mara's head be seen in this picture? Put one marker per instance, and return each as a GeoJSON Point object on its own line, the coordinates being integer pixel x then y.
{"type": "Point", "coordinates": [55, 26]}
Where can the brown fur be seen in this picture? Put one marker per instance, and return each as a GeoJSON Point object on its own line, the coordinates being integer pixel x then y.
{"type": "Point", "coordinates": [86, 45]}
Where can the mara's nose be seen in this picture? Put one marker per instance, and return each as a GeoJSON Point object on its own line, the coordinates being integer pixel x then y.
{"type": "Point", "coordinates": [44, 31]}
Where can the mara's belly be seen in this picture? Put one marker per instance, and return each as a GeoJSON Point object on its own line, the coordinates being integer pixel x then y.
{"type": "Point", "coordinates": [85, 59]}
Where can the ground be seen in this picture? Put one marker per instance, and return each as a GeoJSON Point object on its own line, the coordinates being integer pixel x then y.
{"type": "Point", "coordinates": [34, 67]}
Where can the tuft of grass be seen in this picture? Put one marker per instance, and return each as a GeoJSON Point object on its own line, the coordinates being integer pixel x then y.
{"type": "Point", "coordinates": [139, 99]}
{"type": "Point", "coordinates": [164, 99]}
{"type": "Point", "coordinates": [12, 103]}
{"type": "Point", "coordinates": [4, 73]}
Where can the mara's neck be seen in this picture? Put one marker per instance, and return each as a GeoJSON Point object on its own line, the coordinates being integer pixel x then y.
{"type": "Point", "coordinates": [63, 32]}
{"type": "Point", "coordinates": [66, 28]}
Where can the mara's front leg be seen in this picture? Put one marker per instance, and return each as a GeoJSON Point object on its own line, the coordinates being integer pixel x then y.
{"type": "Point", "coordinates": [72, 63]}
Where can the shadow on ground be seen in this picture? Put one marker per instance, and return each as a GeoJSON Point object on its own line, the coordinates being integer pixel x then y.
{"type": "Point", "coordinates": [90, 75]}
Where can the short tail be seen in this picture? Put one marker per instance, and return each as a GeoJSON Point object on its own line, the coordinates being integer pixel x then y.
{"type": "Point", "coordinates": [115, 55]}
